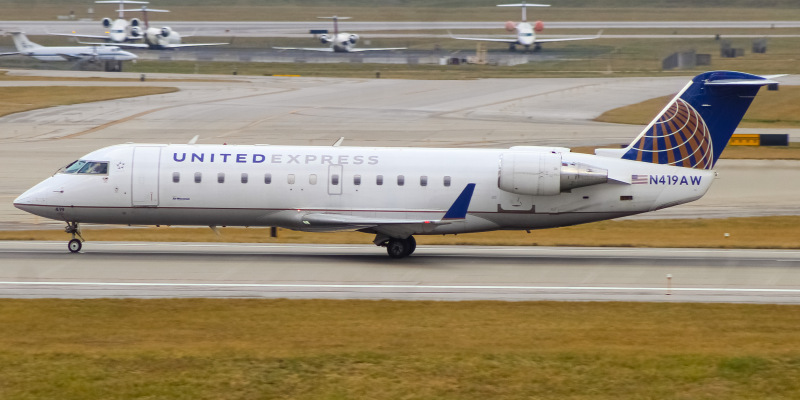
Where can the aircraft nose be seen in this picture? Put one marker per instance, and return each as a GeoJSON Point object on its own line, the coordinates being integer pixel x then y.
{"type": "Point", "coordinates": [33, 197]}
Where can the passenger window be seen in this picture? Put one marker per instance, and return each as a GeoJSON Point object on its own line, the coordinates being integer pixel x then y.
{"type": "Point", "coordinates": [198, 176]}
{"type": "Point", "coordinates": [401, 180]}
{"type": "Point", "coordinates": [447, 181]}
{"type": "Point", "coordinates": [176, 177]}
{"type": "Point", "coordinates": [221, 177]}
{"type": "Point", "coordinates": [267, 178]}
{"type": "Point", "coordinates": [290, 179]}
{"type": "Point", "coordinates": [379, 180]}
{"type": "Point", "coordinates": [356, 180]}
{"type": "Point", "coordinates": [244, 177]}
{"type": "Point", "coordinates": [423, 180]}
{"type": "Point", "coordinates": [312, 179]}
{"type": "Point", "coordinates": [335, 179]}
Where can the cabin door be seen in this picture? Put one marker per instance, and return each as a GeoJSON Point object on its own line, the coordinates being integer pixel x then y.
{"type": "Point", "coordinates": [144, 176]}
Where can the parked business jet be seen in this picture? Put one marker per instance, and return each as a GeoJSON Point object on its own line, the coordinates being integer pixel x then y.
{"type": "Point", "coordinates": [67, 53]}
{"type": "Point", "coordinates": [164, 38]}
{"type": "Point", "coordinates": [120, 30]}
{"type": "Point", "coordinates": [526, 33]}
{"type": "Point", "coordinates": [340, 42]}
{"type": "Point", "coordinates": [396, 193]}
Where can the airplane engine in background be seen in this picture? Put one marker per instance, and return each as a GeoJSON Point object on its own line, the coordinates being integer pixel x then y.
{"type": "Point", "coordinates": [353, 38]}
{"type": "Point", "coordinates": [136, 31]}
{"type": "Point", "coordinates": [107, 22]}
{"type": "Point", "coordinates": [136, 22]}
{"type": "Point", "coordinates": [538, 26]}
{"type": "Point", "coordinates": [325, 39]}
{"type": "Point", "coordinates": [511, 26]}
{"type": "Point", "coordinates": [543, 174]}
{"type": "Point", "coordinates": [166, 31]}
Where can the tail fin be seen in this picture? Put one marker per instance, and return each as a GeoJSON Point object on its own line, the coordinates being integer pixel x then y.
{"type": "Point", "coordinates": [22, 42]}
{"type": "Point", "coordinates": [694, 128]}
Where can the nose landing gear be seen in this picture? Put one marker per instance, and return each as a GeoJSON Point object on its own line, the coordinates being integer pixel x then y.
{"type": "Point", "coordinates": [75, 244]}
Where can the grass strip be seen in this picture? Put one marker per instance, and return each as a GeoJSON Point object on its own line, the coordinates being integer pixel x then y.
{"type": "Point", "coordinates": [755, 232]}
{"type": "Point", "coordinates": [312, 349]}
{"type": "Point", "coordinates": [28, 98]}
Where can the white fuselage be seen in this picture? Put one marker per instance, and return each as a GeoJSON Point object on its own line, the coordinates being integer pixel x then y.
{"type": "Point", "coordinates": [118, 31]}
{"type": "Point", "coordinates": [94, 53]}
{"type": "Point", "coordinates": [279, 185]}
{"type": "Point", "coordinates": [525, 34]}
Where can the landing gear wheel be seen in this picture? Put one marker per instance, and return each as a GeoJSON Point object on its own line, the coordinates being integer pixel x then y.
{"type": "Point", "coordinates": [537, 47]}
{"type": "Point", "coordinates": [399, 248]}
{"type": "Point", "coordinates": [512, 48]}
{"type": "Point", "coordinates": [75, 245]}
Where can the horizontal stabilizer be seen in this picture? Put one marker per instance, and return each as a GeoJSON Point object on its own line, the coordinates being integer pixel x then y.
{"type": "Point", "coordinates": [524, 5]}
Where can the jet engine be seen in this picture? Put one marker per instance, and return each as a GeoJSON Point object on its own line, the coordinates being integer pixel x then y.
{"type": "Point", "coordinates": [107, 22]}
{"type": "Point", "coordinates": [511, 26]}
{"type": "Point", "coordinates": [136, 31]}
{"type": "Point", "coordinates": [544, 174]}
{"type": "Point", "coordinates": [166, 31]}
{"type": "Point", "coordinates": [325, 39]}
{"type": "Point", "coordinates": [136, 22]}
{"type": "Point", "coordinates": [353, 38]}
{"type": "Point", "coordinates": [538, 26]}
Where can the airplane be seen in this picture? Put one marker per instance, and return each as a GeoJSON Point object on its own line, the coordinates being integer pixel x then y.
{"type": "Point", "coordinates": [67, 53]}
{"type": "Point", "coordinates": [396, 193]}
{"type": "Point", "coordinates": [340, 42]}
{"type": "Point", "coordinates": [120, 30]}
{"type": "Point", "coordinates": [526, 33]}
{"type": "Point", "coordinates": [164, 38]}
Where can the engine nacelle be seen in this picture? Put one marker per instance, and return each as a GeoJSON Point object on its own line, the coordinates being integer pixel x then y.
{"type": "Point", "coordinates": [136, 31]}
{"type": "Point", "coordinates": [107, 22]}
{"type": "Point", "coordinates": [353, 38]}
{"type": "Point", "coordinates": [543, 174]}
{"type": "Point", "coordinates": [538, 26]}
{"type": "Point", "coordinates": [165, 31]}
{"type": "Point", "coordinates": [511, 26]}
{"type": "Point", "coordinates": [325, 39]}
{"type": "Point", "coordinates": [136, 22]}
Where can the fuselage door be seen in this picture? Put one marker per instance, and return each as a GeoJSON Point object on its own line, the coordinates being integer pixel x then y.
{"type": "Point", "coordinates": [335, 179]}
{"type": "Point", "coordinates": [144, 179]}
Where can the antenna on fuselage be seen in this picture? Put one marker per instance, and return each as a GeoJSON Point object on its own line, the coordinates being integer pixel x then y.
{"type": "Point", "coordinates": [339, 142]}
{"type": "Point", "coordinates": [524, 6]}
{"type": "Point", "coordinates": [194, 139]}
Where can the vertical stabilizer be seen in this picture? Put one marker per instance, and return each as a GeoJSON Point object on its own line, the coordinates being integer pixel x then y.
{"type": "Point", "coordinates": [22, 43]}
{"type": "Point", "coordinates": [694, 128]}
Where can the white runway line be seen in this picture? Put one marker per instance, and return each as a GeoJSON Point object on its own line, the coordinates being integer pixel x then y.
{"type": "Point", "coordinates": [426, 287]}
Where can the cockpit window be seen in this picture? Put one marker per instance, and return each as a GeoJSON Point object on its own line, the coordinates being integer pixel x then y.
{"type": "Point", "coordinates": [86, 167]}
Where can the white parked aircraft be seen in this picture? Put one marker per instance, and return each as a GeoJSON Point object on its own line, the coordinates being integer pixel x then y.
{"type": "Point", "coordinates": [120, 30]}
{"type": "Point", "coordinates": [395, 193]}
{"type": "Point", "coordinates": [526, 33]}
{"type": "Point", "coordinates": [67, 53]}
{"type": "Point", "coordinates": [340, 42]}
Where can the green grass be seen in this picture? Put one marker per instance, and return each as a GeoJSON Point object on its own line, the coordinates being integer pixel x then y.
{"type": "Point", "coordinates": [756, 232]}
{"type": "Point", "coordinates": [318, 349]}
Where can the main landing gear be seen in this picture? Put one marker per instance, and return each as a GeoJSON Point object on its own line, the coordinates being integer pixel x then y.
{"type": "Point", "coordinates": [75, 244]}
{"type": "Point", "coordinates": [399, 248]}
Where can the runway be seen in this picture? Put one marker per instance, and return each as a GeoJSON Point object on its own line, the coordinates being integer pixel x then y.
{"type": "Point", "coordinates": [147, 270]}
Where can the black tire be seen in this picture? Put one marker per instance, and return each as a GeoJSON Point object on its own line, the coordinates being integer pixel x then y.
{"type": "Point", "coordinates": [74, 245]}
{"type": "Point", "coordinates": [412, 245]}
{"type": "Point", "coordinates": [397, 248]}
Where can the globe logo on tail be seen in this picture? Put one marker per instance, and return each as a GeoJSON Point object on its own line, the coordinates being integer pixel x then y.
{"type": "Point", "coordinates": [678, 137]}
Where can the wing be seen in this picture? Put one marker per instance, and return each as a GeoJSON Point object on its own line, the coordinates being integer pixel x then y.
{"type": "Point", "coordinates": [328, 222]}
{"type": "Point", "coordinates": [377, 49]}
{"type": "Point", "coordinates": [80, 36]}
{"type": "Point", "coordinates": [74, 57]}
{"type": "Point", "coordinates": [325, 49]}
{"type": "Point", "coordinates": [131, 45]}
{"type": "Point", "coordinates": [10, 54]}
{"type": "Point", "coordinates": [509, 40]}
{"type": "Point", "coordinates": [569, 39]}
{"type": "Point", "coordinates": [175, 46]}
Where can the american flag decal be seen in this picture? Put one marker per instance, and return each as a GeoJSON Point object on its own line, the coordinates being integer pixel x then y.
{"type": "Point", "coordinates": [640, 179]}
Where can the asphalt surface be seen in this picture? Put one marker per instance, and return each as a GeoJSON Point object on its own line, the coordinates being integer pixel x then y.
{"type": "Point", "coordinates": [148, 270]}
